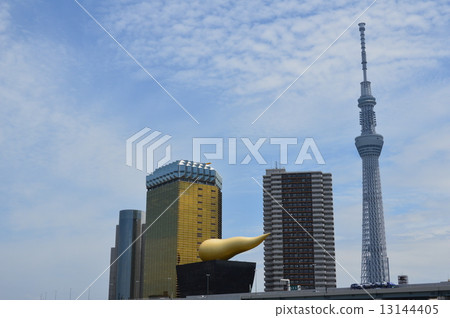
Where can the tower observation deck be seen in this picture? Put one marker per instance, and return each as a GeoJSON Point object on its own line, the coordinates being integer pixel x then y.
{"type": "Point", "coordinates": [374, 260]}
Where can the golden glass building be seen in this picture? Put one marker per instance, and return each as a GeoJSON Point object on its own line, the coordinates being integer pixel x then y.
{"type": "Point", "coordinates": [184, 208]}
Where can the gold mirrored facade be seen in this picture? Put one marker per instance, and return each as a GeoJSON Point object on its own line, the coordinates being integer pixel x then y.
{"type": "Point", "coordinates": [182, 212]}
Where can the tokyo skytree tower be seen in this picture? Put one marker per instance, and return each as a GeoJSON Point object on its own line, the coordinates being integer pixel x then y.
{"type": "Point", "coordinates": [374, 260]}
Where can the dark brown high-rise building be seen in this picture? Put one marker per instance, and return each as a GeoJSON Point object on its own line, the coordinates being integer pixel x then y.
{"type": "Point", "coordinates": [298, 212]}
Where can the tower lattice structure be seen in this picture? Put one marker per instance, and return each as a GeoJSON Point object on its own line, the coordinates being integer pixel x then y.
{"type": "Point", "coordinates": [374, 260]}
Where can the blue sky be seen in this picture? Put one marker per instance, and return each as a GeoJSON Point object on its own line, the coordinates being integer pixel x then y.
{"type": "Point", "coordinates": [70, 97]}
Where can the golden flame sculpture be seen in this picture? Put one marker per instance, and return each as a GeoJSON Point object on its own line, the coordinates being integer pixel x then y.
{"type": "Point", "coordinates": [218, 249]}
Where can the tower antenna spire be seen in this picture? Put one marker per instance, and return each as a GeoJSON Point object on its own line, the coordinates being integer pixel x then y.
{"type": "Point", "coordinates": [363, 50]}
{"type": "Point", "coordinates": [365, 84]}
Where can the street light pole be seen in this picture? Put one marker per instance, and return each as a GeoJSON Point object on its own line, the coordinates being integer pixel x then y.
{"type": "Point", "coordinates": [256, 281]}
{"type": "Point", "coordinates": [207, 283]}
{"type": "Point", "coordinates": [168, 286]}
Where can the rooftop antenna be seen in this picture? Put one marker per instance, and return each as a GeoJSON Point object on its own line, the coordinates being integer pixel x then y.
{"type": "Point", "coordinates": [365, 85]}
{"type": "Point", "coordinates": [363, 50]}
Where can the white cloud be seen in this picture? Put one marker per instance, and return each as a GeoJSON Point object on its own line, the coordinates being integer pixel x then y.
{"type": "Point", "coordinates": [63, 173]}
{"type": "Point", "coordinates": [250, 52]}
{"type": "Point", "coordinates": [64, 115]}
{"type": "Point", "coordinates": [252, 40]}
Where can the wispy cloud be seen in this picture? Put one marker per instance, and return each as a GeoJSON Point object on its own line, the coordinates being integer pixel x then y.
{"type": "Point", "coordinates": [69, 102]}
{"type": "Point", "coordinates": [59, 166]}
